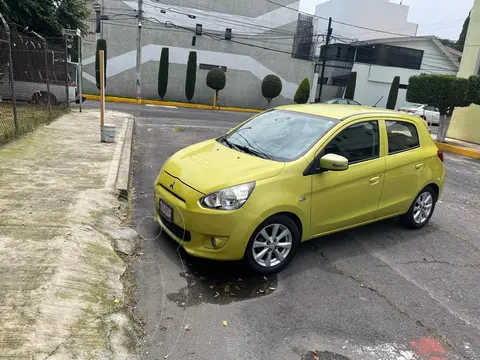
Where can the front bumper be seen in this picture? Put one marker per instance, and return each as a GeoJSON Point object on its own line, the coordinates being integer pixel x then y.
{"type": "Point", "coordinates": [194, 226]}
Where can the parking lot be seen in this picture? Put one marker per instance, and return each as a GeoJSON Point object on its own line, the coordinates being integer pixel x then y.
{"type": "Point", "coordinates": [375, 292]}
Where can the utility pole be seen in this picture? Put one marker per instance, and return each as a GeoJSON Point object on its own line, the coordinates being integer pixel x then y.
{"type": "Point", "coordinates": [324, 58]}
{"type": "Point", "coordinates": [139, 50]}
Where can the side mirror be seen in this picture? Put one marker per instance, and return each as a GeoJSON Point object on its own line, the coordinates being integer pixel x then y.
{"type": "Point", "coordinates": [333, 162]}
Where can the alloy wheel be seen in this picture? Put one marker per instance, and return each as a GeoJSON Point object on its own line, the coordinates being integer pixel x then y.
{"type": "Point", "coordinates": [272, 245]}
{"type": "Point", "coordinates": [423, 207]}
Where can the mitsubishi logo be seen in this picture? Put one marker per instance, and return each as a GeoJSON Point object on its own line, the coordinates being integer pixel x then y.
{"type": "Point", "coordinates": [172, 185]}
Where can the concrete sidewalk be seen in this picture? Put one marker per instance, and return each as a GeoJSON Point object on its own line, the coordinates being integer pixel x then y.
{"type": "Point", "coordinates": [61, 295]}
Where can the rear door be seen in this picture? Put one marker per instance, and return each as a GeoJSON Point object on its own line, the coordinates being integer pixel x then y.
{"type": "Point", "coordinates": [405, 167]}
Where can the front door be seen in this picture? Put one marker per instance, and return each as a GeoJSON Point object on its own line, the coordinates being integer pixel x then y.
{"type": "Point", "coordinates": [342, 199]}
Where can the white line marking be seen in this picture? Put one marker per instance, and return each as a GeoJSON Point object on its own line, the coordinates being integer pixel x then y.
{"type": "Point", "coordinates": [164, 106]}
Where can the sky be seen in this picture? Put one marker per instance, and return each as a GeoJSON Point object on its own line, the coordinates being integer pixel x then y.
{"type": "Point", "coordinates": [443, 18]}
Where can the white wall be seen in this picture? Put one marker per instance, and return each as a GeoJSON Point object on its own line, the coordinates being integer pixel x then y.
{"type": "Point", "coordinates": [374, 81]}
{"type": "Point", "coordinates": [376, 14]}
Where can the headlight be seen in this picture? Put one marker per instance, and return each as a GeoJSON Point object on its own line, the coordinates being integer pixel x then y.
{"type": "Point", "coordinates": [230, 198]}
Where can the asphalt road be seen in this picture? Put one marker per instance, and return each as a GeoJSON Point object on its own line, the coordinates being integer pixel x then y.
{"type": "Point", "coordinates": [376, 292]}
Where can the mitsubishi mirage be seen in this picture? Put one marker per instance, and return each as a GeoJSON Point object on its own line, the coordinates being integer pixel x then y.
{"type": "Point", "coordinates": [294, 173]}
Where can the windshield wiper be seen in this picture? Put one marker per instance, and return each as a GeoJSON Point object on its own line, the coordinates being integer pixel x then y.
{"type": "Point", "coordinates": [255, 152]}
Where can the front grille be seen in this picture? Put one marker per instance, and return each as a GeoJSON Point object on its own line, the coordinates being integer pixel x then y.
{"type": "Point", "coordinates": [176, 230]}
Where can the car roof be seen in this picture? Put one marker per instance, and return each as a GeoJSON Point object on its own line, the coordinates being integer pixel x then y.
{"type": "Point", "coordinates": [337, 111]}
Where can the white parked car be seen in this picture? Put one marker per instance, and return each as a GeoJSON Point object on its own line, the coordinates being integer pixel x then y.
{"type": "Point", "coordinates": [431, 114]}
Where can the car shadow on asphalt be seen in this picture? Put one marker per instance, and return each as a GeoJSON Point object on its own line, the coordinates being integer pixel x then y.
{"type": "Point", "coordinates": [222, 282]}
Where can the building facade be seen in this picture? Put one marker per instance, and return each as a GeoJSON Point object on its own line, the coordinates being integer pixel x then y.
{"type": "Point", "coordinates": [248, 39]}
{"type": "Point", "coordinates": [470, 64]}
{"type": "Point", "coordinates": [365, 15]}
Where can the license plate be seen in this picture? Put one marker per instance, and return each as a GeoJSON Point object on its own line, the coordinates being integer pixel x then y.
{"type": "Point", "coordinates": [166, 211]}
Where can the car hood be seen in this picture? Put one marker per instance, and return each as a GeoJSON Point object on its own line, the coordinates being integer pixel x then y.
{"type": "Point", "coordinates": [209, 166]}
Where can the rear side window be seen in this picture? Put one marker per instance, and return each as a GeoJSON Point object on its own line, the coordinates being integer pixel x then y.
{"type": "Point", "coordinates": [357, 143]}
{"type": "Point", "coordinates": [402, 136]}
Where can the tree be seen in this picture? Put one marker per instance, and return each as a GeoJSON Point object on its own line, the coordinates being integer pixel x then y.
{"type": "Point", "coordinates": [163, 73]}
{"type": "Point", "coordinates": [473, 90]}
{"type": "Point", "coordinates": [303, 92]}
{"type": "Point", "coordinates": [444, 91]}
{"type": "Point", "coordinates": [393, 94]}
{"type": "Point", "coordinates": [352, 82]}
{"type": "Point", "coordinates": [191, 76]}
{"type": "Point", "coordinates": [271, 87]}
{"type": "Point", "coordinates": [47, 17]}
{"type": "Point", "coordinates": [461, 38]}
{"type": "Point", "coordinates": [216, 80]}
{"type": "Point", "coordinates": [101, 45]}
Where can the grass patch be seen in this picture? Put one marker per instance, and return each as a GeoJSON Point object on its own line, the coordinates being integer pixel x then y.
{"type": "Point", "coordinates": [29, 117]}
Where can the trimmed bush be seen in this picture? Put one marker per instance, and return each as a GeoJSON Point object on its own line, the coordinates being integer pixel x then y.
{"type": "Point", "coordinates": [101, 45]}
{"type": "Point", "coordinates": [191, 76]}
{"type": "Point", "coordinates": [163, 73]}
{"type": "Point", "coordinates": [352, 83]}
{"type": "Point", "coordinates": [271, 87]}
{"type": "Point", "coordinates": [303, 92]}
{"type": "Point", "coordinates": [393, 94]}
{"type": "Point", "coordinates": [216, 80]}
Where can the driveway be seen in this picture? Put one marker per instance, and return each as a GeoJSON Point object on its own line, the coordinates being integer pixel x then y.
{"type": "Point", "coordinates": [376, 292]}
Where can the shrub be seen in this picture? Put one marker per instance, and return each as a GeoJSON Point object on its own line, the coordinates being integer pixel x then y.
{"type": "Point", "coordinates": [393, 94]}
{"type": "Point", "coordinates": [101, 45]}
{"type": "Point", "coordinates": [191, 76]}
{"type": "Point", "coordinates": [163, 73]}
{"type": "Point", "coordinates": [271, 87]}
{"type": "Point", "coordinates": [352, 82]}
{"type": "Point", "coordinates": [303, 92]}
{"type": "Point", "coordinates": [216, 80]}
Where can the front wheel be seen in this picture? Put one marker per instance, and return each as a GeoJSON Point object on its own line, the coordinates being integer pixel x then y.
{"type": "Point", "coordinates": [272, 245]}
{"type": "Point", "coordinates": [421, 209]}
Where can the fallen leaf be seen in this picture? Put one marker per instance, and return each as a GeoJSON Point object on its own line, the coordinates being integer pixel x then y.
{"type": "Point", "coordinates": [217, 294]}
{"type": "Point", "coordinates": [271, 288]}
{"type": "Point", "coordinates": [227, 288]}
{"type": "Point", "coordinates": [261, 291]}
{"type": "Point", "coordinates": [193, 283]}
{"type": "Point", "coordinates": [315, 355]}
{"type": "Point", "coordinates": [237, 287]}
{"type": "Point", "coordinates": [362, 284]}
{"type": "Point", "coordinates": [224, 323]}
{"type": "Point", "coordinates": [212, 286]}
{"type": "Point", "coordinates": [265, 278]}
{"type": "Point", "coordinates": [116, 301]}
{"type": "Point", "coordinates": [187, 327]}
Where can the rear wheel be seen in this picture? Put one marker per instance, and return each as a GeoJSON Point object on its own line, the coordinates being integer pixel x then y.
{"type": "Point", "coordinates": [421, 209]}
{"type": "Point", "coordinates": [272, 245]}
{"type": "Point", "coordinates": [41, 98]}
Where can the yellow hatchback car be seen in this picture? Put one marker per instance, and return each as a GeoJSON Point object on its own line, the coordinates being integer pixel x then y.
{"type": "Point", "coordinates": [294, 173]}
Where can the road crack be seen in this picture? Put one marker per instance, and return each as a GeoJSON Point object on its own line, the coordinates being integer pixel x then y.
{"type": "Point", "coordinates": [428, 329]}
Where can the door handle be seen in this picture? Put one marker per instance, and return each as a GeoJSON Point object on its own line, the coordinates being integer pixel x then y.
{"type": "Point", "coordinates": [419, 166]}
{"type": "Point", "coordinates": [374, 180]}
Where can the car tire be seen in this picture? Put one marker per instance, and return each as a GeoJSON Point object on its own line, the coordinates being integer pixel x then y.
{"type": "Point", "coordinates": [278, 249]}
{"type": "Point", "coordinates": [421, 210]}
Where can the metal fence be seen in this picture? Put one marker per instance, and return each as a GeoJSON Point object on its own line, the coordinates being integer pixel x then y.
{"type": "Point", "coordinates": [37, 82]}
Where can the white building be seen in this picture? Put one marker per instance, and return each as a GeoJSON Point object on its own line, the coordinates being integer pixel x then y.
{"type": "Point", "coordinates": [369, 14]}
{"type": "Point", "coordinates": [374, 77]}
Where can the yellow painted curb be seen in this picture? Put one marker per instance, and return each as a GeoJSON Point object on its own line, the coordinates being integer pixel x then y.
{"type": "Point", "coordinates": [170, 103]}
{"type": "Point", "coordinates": [459, 150]}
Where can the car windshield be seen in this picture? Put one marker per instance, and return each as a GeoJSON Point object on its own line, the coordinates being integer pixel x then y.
{"type": "Point", "coordinates": [278, 134]}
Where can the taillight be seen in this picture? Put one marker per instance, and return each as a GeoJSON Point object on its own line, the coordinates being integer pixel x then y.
{"type": "Point", "coordinates": [72, 84]}
{"type": "Point", "coordinates": [440, 154]}
{"type": "Point", "coordinates": [410, 111]}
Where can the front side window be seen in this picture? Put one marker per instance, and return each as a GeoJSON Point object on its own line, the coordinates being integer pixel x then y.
{"type": "Point", "coordinates": [401, 136]}
{"type": "Point", "coordinates": [278, 134]}
{"type": "Point", "coordinates": [357, 143]}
